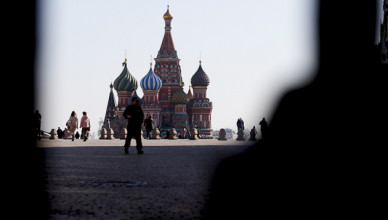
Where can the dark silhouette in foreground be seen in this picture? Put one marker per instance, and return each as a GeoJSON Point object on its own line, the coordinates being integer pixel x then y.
{"type": "Point", "coordinates": [135, 117]}
{"type": "Point", "coordinates": [316, 159]}
{"type": "Point", "coordinates": [263, 128]}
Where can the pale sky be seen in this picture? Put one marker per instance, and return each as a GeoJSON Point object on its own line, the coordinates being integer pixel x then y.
{"type": "Point", "coordinates": [252, 51]}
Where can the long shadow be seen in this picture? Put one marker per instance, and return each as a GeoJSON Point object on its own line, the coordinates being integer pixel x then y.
{"type": "Point", "coordinates": [317, 160]}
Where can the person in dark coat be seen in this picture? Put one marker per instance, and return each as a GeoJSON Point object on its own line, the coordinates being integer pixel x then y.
{"type": "Point", "coordinates": [148, 124]}
{"type": "Point", "coordinates": [253, 134]}
{"type": "Point", "coordinates": [240, 124]}
{"type": "Point", "coordinates": [264, 128]}
{"type": "Point", "coordinates": [135, 117]}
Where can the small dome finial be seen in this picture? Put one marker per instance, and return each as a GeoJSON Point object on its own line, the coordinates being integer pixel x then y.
{"type": "Point", "coordinates": [168, 15]}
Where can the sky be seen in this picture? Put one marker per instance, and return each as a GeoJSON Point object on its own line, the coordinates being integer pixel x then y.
{"type": "Point", "coordinates": [252, 50]}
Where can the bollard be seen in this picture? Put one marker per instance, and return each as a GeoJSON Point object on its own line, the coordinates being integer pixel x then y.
{"type": "Point", "coordinates": [103, 134]}
{"type": "Point", "coordinates": [194, 134]}
{"type": "Point", "coordinates": [240, 135]}
{"type": "Point", "coordinates": [53, 134]}
{"type": "Point", "coordinates": [155, 134]}
{"type": "Point", "coordinates": [173, 134]}
{"type": "Point", "coordinates": [222, 135]}
{"type": "Point", "coordinates": [110, 134]}
{"type": "Point", "coordinates": [123, 134]}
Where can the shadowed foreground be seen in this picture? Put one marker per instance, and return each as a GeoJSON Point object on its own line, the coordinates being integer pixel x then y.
{"type": "Point", "coordinates": [167, 182]}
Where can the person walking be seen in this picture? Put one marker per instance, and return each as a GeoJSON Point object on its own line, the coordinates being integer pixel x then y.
{"type": "Point", "coordinates": [72, 124]}
{"type": "Point", "coordinates": [183, 133]}
{"type": "Point", "coordinates": [60, 133]}
{"type": "Point", "coordinates": [253, 134]}
{"type": "Point", "coordinates": [107, 124]}
{"type": "Point", "coordinates": [85, 125]}
{"type": "Point", "coordinates": [240, 124]}
{"type": "Point", "coordinates": [135, 117]}
{"type": "Point", "coordinates": [148, 124]}
{"type": "Point", "coordinates": [37, 120]}
{"type": "Point", "coordinates": [264, 128]}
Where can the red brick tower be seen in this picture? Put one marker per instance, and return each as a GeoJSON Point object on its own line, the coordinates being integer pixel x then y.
{"type": "Point", "coordinates": [200, 108]}
{"type": "Point", "coordinates": [169, 71]}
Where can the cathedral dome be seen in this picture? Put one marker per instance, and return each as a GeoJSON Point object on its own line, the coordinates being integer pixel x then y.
{"type": "Point", "coordinates": [180, 97]}
{"type": "Point", "coordinates": [151, 81]}
{"type": "Point", "coordinates": [200, 78]}
{"type": "Point", "coordinates": [125, 81]}
{"type": "Point", "coordinates": [167, 15]}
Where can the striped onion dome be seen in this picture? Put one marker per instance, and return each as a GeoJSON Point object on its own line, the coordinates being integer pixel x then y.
{"type": "Point", "coordinates": [151, 81]}
{"type": "Point", "coordinates": [125, 81]}
{"type": "Point", "coordinates": [200, 78]}
{"type": "Point", "coordinates": [180, 97]}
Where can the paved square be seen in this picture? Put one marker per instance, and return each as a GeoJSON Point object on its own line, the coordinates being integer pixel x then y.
{"type": "Point", "coordinates": [96, 180]}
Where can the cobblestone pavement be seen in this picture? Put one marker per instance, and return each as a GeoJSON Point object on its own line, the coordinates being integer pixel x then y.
{"type": "Point", "coordinates": [101, 182]}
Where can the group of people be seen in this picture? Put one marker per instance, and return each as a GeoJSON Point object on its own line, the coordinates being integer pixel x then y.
{"type": "Point", "coordinates": [263, 128]}
{"type": "Point", "coordinates": [72, 125]}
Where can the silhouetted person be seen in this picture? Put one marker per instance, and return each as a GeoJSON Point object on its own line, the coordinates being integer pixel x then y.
{"type": "Point", "coordinates": [253, 134]}
{"type": "Point", "coordinates": [135, 117]}
{"type": "Point", "coordinates": [308, 166]}
{"type": "Point", "coordinates": [37, 122]}
{"type": "Point", "coordinates": [263, 128]}
{"type": "Point", "coordinates": [148, 124]}
{"type": "Point", "coordinates": [240, 124]}
{"type": "Point", "coordinates": [59, 133]}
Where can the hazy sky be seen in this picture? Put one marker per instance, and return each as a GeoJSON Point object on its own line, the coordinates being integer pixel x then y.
{"type": "Point", "coordinates": [252, 50]}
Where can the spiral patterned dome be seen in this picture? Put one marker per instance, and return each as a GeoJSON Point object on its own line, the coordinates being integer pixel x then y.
{"type": "Point", "coordinates": [125, 81]}
{"type": "Point", "coordinates": [200, 78]}
{"type": "Point", "coordinates": [151, 81]}
{"type": "Point", "coordinates": [180, 97]}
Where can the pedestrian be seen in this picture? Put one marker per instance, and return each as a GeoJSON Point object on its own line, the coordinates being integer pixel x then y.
{"type": "Point", "coordinates": [85, 125]}
{"type": "Point", "coordinates": [240, 124]}
{"type": "Point", "coordinates": [263, 128]}
{"type": "Point", "coordinates": [37, 122]}
{"type": "Point", "coordinates": [72, 124]}
{"type": "Point", "coordinates": [60, 133]}
{"type": "Point", "coordinates": [149, 125]}
{"type": "Point", "coordinates": [183, 133]}
{"type": "Point", "coordinates": [135, 117]}
{"type": "Point", "coordinates": [253, 134]}
{"type": "Point", "coordinates": [107, 124]}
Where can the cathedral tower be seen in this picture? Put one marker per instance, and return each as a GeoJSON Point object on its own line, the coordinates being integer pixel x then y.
{"type": "Point", "coordinates": [200, 107]}
{"type": "Point", "coordinates": [151, 85]}
{"type": "Point", "coordinates": [169, 71]}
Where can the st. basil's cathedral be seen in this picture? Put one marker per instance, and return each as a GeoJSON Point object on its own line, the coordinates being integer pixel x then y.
{"type": "Point", "coordinates": [164, 98]}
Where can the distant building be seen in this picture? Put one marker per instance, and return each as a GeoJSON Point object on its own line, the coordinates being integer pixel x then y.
{"type": "Point", "coordinates": [164, 98]}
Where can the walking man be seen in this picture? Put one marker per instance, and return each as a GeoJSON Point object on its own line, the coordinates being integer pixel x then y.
{"type": "Point", "coordinates": [135, 117]}
{"type": "Point", "coordinates": [264, 128]}
{"type": "Point", "coordinates": [85, 125]}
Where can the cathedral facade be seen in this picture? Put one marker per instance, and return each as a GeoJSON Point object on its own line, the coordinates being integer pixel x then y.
{"type": "Point", "coordinates": [164, 98]}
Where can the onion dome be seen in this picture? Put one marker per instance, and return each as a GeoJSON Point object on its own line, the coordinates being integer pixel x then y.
{"type": "Point", "coordinates": [167, 15]}
{"type": "Point", "coordinates": [151, 81]}
{"type": "Point", "coordinates": [200, 78]}
{"type": "Point", "coordinates": [125, 81]}
{"type": "Point", "coordinates": [180, 97]}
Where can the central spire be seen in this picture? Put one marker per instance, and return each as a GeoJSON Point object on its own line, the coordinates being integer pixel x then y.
{"type": "Point", "coordinates": [167, 49]}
